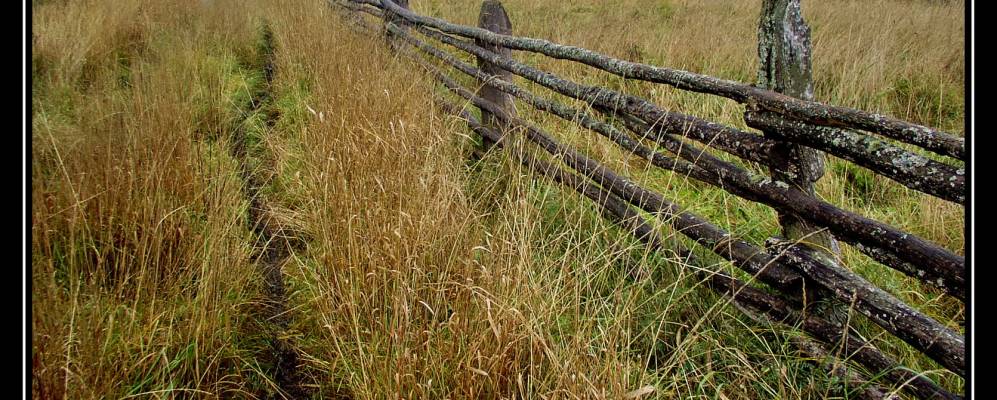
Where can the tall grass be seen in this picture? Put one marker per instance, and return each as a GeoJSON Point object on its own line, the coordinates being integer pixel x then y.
{"type": "Point", "coordinates": [423, 275]}
{"type": "Point", "coordinates": [140, 264]}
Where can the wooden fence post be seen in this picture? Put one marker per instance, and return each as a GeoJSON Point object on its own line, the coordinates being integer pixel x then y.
{"type": "Point", "coordinates": [494, 18]}
{"type": "Point", "coordinates": [784, 53]}
{"type": "Point", "coordinates": [392, 18]}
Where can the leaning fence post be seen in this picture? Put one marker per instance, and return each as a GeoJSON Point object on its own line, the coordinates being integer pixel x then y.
{"type": "Point", "coordinates": [494, 18]}
{"type": "Point", "coordinates": [784, 53]}
{"type": "Point", "coordinates": [392, 18]}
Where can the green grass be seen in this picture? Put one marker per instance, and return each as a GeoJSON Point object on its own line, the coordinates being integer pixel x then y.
{"type": "Point", "coordinates": [424, 274]}
{"type": "Point", "coordinates": [911, 95]}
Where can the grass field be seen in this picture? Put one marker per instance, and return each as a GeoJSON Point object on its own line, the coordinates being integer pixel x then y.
{"type": "Point", "coordinates": [421, 274]}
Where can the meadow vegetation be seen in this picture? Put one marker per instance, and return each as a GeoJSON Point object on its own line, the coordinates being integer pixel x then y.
{"type": "Point", "coordinates": [422, 274]}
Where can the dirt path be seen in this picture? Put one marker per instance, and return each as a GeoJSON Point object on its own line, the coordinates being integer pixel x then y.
{"type": "Point", "coordinates": [273, 246]}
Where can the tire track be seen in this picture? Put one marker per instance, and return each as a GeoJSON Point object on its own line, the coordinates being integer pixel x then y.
{"type": "Point", "coordinates": [273, 248]}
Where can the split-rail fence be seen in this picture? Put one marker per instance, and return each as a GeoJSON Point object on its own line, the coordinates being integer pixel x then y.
{"type": "Point", "coordinates": [796, 133]}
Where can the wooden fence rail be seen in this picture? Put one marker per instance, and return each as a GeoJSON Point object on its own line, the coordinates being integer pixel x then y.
{"type": "Point", "coordinates": [724, 174]}
{"type": "Point", "coordinates": [778, 309]}
{"type": "Point", "coordinates": [847, 225]}
{"type": "Point", "coordinates": [745, 184]}
{"type": "Point", "coordinates": [910, 169]}
{"type": "Point", "coordinates": [788, 265]}
{"type": "Point", "coordinates": [919, 330]}
{"type": "Point", "coordinates": [807, 111]}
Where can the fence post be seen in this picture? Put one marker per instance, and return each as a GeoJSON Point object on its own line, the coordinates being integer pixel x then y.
{"type": "Point", "coordinates": [494, 18]}
{"type": "Point", "coordinates": [784, 53]}
{"type": "Point", "coordinates": [392, 18]}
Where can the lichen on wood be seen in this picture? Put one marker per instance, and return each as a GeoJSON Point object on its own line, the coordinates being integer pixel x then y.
{"type": "Point", "coordinates": [850, 226]}
{"type": "Point", "coordinates": [912, 326]}
{"type": "Point", "coordinates": [805, 110]}
{"type": "Point", "coordinates": [907, 168]}
{"type": "Point", "coordinates": [852, 346]}
{"type": "Point", "coordinates": [494, 18]}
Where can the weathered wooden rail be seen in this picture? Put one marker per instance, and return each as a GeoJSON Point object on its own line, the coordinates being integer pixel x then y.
{"type": "Point", "coordinates": [797, 131]}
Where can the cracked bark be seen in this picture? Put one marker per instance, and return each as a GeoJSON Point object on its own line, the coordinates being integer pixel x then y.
{"type": "Point", "coordinates": [494, 18]}
{"type": "Point", "coordinates": [784, 58]}
{"type": "Point", "coordinates": [804, 110]}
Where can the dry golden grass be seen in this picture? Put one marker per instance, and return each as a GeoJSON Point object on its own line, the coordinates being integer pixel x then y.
{"type": "Point", "coordinates": [408, 292]}
{"type": "Point", "coordinates": [889, 56]}
{"type": "Point", "coordinates": [900, 58]}
{"type": "Point", "coordinates": [140, 262]}
{"type": "Point", "coordinates": [423, 275]}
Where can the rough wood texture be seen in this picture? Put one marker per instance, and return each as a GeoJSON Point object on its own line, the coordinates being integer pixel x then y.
{"type": "Point", "coordinates": [354, 17]}
{"type": "Point", "coordinates": [937, 341]}
{"type": "Point", "coordinates": [908, 324]}
{"type": "Point", "coordinates": [843, 223]}
{"type": "Point", "coordinates": [954, 285]}
{"type": "Point", "coordinates": [746, 256]}
{"type": "Point", "coordinates": [784, 67]}
{"type": "Point", "coordinates": [611, 206]}
{"type": "Point", "coordinates": [772, 270]}
{"type": "Point", "coordinates": [616, 210]}
{"type": "Point", "coordinates": [740, 143]}
{"type": "Point", "coordinates": [391, 17]}
{"type": "Point", "coordinates": [907, 168]}
{"type": "Point", "coordinates": [852, 346]}
{"type": "Point", "coordinates": [493, 18]}
{"type": "Point", "coordinates": [821, 354]}
{"type": "Point", "coordinates": [849, 226]}
{"type": "Point", "coordinates": [808, 111]}
{"type": "Point", "coordinates": [576, 116]}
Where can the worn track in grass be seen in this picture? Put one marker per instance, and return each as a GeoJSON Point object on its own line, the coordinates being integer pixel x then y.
{"type": "Point", "coordinates": [273, 246]}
